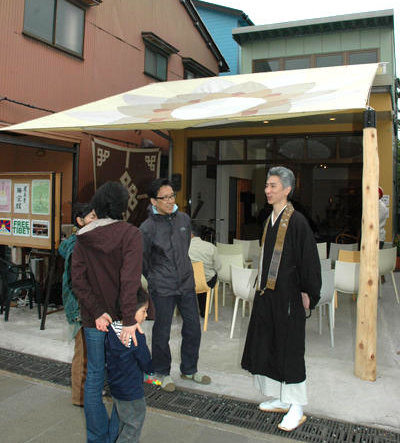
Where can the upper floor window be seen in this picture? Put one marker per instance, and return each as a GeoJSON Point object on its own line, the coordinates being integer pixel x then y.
{"type": "Point", "coordinates": [156, 56]}
{"type": "Point", "coordinates": [360, 57]}
{"type": "Point", "coordinates": [316, 60]}
{"type": "Point", "coordinates": [60, 23]}
{"type": "Point", "coordinates": [266, 65]}
{"type": "Point", "coordinates": [155, 64]}
{"type": "Point", "coordinates": [326, 60]}
{"type": "Point", "coordinates": [193, 69]}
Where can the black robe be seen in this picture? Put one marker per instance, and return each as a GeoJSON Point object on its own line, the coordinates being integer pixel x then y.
{"type": "Point", "coordinates": [275, 340]}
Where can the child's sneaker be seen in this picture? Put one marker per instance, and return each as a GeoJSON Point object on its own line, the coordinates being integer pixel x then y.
{"type": "Point", "coordinates": [151, 379]}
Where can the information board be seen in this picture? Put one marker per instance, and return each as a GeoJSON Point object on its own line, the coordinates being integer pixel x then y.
{"type": "Point", "coordinates": [30, 209]}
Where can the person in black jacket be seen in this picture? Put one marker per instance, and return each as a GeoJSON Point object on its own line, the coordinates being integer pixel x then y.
{"type": "Point", "coordinates": [168, 270]}
{"type": "Point", "coordinates": [125, 368]}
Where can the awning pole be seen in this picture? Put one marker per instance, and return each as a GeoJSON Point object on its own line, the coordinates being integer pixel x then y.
{"type": "Point", "coordinates": [365, 352]}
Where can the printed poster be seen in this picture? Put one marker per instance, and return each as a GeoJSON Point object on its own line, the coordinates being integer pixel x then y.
{"type": "Point", "coordinates": [40, 228]}
{"type": "Point", "coordinates": [21, 198]}
{"type": "Point", "coordinates": [5, 226]}
{"type": "Point", "coordinates": [41, 197]}
{"type": "Point", "coordinates": [5, 195]}
{"type": "Point", "coordinates": [21, 227]}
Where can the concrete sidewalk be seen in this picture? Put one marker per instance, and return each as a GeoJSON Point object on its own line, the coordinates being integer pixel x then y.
{"type": "Point", "coordinates": [41, 412]}
{"type": "Point", "coordinates": [334, 392]}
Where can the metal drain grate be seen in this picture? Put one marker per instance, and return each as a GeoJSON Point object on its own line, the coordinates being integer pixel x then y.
{"type": "Point", "coordinates": [209, 407]}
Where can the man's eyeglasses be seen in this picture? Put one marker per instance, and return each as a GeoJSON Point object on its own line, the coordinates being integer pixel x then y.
{"type": "Point", "coordinates": [167, 197]}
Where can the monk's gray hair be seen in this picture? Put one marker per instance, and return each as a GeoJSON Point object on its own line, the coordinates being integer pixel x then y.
{"type": "Point", "coordinates": [286, 177]}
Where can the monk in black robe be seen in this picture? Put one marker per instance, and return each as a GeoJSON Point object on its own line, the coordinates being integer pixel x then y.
{"type": "Point", "coordinates": [289, 284]}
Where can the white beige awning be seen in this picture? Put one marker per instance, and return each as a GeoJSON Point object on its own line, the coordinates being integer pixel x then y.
{"type": "Point", "coordinates": [220, 100]}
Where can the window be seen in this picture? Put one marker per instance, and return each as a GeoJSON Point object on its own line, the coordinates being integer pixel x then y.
{"type": "Point", "coordinates": [290, 148]}
{"type": "Point", "coordinates": [351, 146]}
{"type": "Point", "coordinates": [358, 58]}
{"type": "Point", "coordinates": [325, 60]}
{"type": "Point", "coordinates": [193, 69]}
{"type": "Point", "coordinates": [297, 63]}
{"type": "Point", "coordinates": [260, 148]}
{"type": "Point", "coordinates": [311, 148]}
{"type": "Point", "coordinates": [316, 60]}
{"type": "Point", "coordinates": [156, 56]}
{"type": "Point", "coordinates": [155, 64]}
{"type": "Point", "coordinates": [320, 147]}
{"type": "Point", "coordinates": [203, 150]}
{"type": "Point", "coordinates": [231, 149]}
{"type": "Point", "coordinates": [266, 65]}
{"type": "Point", "coordinates": [59, 23]}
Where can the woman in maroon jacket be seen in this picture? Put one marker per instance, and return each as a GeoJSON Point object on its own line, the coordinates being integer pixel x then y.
{"type": "Point", "coordinates": [106, 271]}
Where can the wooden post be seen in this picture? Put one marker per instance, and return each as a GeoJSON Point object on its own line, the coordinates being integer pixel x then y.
{"type": "Point", "coordinates": [365, 353]}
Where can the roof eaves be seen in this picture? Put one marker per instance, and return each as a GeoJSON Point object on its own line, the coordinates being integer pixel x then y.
{"type": "Point", "coordinates": [315, 26]}
{"type": "Point", "coordinates": [225, 10]}
{"type": "Point", "coordinates": [201, 27]}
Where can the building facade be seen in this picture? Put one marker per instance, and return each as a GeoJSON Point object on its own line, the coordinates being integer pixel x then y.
{"type": "Point", "coordinates": [221, 20]}
{"type": "Point", "coordinates": [228, 165]}
{"type": "Point", "coordinates": [60, 54]}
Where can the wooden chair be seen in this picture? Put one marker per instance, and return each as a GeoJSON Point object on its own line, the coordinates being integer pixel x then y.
{"type": "Point", "coordinates": [335, 247]}
{"type": "Point", "coordinates": [201, 287]}
{"type": "Point", "coordinates": [344, 238]}
{"type": "Point", "coordinates": [349, 256]}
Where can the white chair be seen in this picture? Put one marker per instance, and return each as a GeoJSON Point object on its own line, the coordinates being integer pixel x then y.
{"type": "Point", "coordinates": [249, 247]}
{"type": "Point", "coordinates": [327, 298]}
{"type": "Point", "coordinates": [224, 273]}
{"type": "Point", "coordinates": [326, 264]}
{"type": "Point", "coordinates": [322, 250]}
{"type": "Point", "coordinates": [346, 277]}
{"type": "Point", "coordinates": [334, 250]}
{"type": "Point", "coordinates": [387, 264]}
{"type": "Point", "coordinates": [244, 288]}
{"type": "Point", "coordinates": [229, 249]}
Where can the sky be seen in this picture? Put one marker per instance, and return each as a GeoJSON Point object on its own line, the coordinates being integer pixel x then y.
{"type": "Point", "coordinates": [263, 12]}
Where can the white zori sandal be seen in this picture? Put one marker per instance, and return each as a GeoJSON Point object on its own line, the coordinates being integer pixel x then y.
{"type": "Point", "coordinates": [293, 419]}
{"type": "Point", "coordinates": [274, 406]}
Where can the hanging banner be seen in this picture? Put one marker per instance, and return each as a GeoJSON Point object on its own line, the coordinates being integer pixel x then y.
{"type": "Point", "coordinates": [134, 168]}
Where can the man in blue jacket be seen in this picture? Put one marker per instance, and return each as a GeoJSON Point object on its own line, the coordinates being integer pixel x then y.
{"type": "Point", "coordinates": [168, 270]}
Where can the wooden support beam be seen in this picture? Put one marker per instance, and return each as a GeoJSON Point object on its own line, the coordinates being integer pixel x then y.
{"type": "Point", "coordinates": [365, 353]}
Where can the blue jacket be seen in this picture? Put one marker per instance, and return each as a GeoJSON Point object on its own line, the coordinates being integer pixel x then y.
{"type": "Point", "coordinates": [125, 366]}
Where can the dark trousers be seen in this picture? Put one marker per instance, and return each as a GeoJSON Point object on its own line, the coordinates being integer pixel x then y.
{"type": "Point", "coordinates": [131, 418]}
{"type": "Point", "coordinates": [191, 334]}
{"type": "Point", "coordinates": [202, 298]}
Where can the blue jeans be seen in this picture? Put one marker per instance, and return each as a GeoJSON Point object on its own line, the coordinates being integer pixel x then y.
{"type": "Point", "coordinates": [191, 333]}
{"type": "Point", "coordinates": [99, 428]}
{"type": "Point", "coordinates": [131, 418]}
